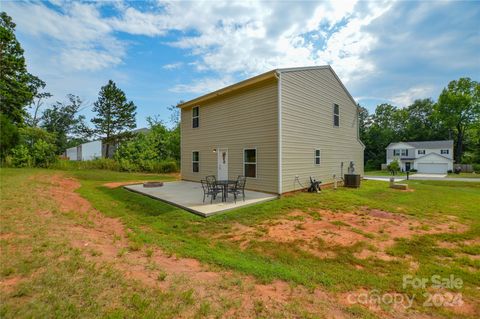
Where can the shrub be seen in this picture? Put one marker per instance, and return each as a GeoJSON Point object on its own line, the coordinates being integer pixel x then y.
{"type": "Point", "coordinates": [21, 156]}
{"type": "Point", "coordinates": [43, 154]}
{"type": "Point", "coordinates": [167, 166]}
{"type": "Point", "coordinates": [393, 167]}
{"type": "Point", "coordinates": [476, 168]}
{"type": "Point", "coordinates": [413, 170]}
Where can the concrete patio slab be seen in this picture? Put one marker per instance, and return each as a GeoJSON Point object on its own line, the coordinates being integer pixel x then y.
{"type": "Point", "coordinates": [189, 196]}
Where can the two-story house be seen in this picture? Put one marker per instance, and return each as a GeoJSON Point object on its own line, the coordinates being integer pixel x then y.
{"type": "Point", "coordinates": [435, 157]}
{"type": "Point", "coordinates": [277, 129]}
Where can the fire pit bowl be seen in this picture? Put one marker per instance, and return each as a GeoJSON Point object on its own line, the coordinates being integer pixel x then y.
{"type": "Point", "coordinates": [152, 184]}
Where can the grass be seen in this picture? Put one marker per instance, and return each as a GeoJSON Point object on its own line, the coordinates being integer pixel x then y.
{"type": "Point", "coordinates": [464, 175]}
{"type": "Point", "coordinates": [156, 224]}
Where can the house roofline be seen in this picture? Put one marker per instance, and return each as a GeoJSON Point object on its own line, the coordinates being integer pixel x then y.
{"type": "Point", "coordinates": [230, 88]}
{"type": "Point", "coordinates": [259, 78]}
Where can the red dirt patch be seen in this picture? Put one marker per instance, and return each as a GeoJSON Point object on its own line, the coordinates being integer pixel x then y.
{"type": "Point", "coordinates": [375, 227]}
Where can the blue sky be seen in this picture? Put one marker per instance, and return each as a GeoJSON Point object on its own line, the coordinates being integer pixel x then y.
{"type": "Point", "coordinates": [161, 52]}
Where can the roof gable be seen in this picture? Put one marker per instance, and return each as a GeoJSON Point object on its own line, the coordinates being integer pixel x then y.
{"type": "Point", "coordinates": [434, 155]}
{"type": "Point", "coordinates": [256, 79]}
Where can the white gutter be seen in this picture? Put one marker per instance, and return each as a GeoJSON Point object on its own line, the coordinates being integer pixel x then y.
{"type": "Point", "coordinates": [280, 171]}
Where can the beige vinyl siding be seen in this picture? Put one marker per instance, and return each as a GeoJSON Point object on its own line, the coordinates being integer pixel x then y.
{"type": "Point", "coordinates": [307, 124]}
{"type": "Point", "coordinates": [246, 118]}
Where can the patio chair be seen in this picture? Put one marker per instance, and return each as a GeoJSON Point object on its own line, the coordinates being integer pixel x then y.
{"type": "Point", "coordinates": [210, 189]}
{"type": "Point", "coordinates": [238, 188]}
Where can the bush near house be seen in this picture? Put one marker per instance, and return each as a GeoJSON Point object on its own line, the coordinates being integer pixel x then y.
{"type": "Point", "coordinates": [393, 167]}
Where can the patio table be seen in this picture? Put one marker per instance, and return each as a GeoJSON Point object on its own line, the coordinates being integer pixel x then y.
{"type": "Point", "coordinates": [225, 183]}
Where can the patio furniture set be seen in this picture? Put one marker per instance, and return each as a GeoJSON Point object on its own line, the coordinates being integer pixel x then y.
{"type": "Point", "coordinates": [212, 187]}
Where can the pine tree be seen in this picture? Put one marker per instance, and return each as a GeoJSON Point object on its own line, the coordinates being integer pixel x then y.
{"type": "Point", "coordinates": [115, 116]}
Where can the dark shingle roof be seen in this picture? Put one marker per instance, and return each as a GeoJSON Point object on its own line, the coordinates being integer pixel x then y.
{"type": "Point", "coordinates": [428, 144]}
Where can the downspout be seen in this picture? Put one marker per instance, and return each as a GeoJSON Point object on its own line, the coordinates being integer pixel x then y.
{"type": "Point", "coordinates": [278, 75]}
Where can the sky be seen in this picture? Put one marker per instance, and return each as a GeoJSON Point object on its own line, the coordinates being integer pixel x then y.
{"type": "Point", "coordinates": [161, 52]}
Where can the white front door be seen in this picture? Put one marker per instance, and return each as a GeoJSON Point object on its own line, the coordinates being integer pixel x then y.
{"type": "Point", "coordinates": [222, 164]}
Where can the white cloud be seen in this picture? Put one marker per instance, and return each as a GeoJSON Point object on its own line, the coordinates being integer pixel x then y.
{"type": "Point", "coordinates": [204, 85]}
{"type": "Point", "coordinates": [407, 97]}
{"type": "Point", "coordinates": [172, 66]}
{"type": "Point", "coordinates": [80, 38]}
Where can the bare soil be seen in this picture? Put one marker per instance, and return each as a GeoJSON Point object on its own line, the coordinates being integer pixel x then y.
{"type": "Point", "coordinates": [374, 227]}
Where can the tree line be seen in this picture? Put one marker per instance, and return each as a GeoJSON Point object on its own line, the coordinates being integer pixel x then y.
{"type": "Point", "coordinates": [455, 116]}
{"type": "Point", "coordinates": [31, 136]}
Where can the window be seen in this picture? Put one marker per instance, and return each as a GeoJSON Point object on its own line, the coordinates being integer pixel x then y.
{"type": "Point", "coordinates": [195, 162]}
{"type": "Point", "coordinates": [317, 157]}
{"type": "Point", "coordinates": [250, 162]}
{"type": "Point", "coordinates": [404, 152]}
{"type": "Point", "coordinates": [195, 117]}
{"type": "Point", "coordinates": [421, 152]}
{"type": "Point", "coordinates": [444, 152]}
{"type": "Point", "coordinates": [336, 115]}
{"type": "Point", "coordinates": [396, 152]}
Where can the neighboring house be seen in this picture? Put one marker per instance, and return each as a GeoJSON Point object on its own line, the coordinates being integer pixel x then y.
{"type": "Point", "coordinates": [95, 149]}
{"type": "Point", "coordinates": [277, 129]}
{"type": "Point", "coordinates": [425, 157]}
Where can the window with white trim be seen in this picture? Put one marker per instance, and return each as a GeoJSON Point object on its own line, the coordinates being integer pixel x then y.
{"type": "Point", "coordinates": [396, 152]}
{"type": "Point", "coordinates": [317, 157]}
{"type": "Point", "coordinates": [421, 152]}
{"type": "Point", "coordinates": [195, 161]}
{"type": "Point", "coordinates": [250, 162]}
{"type": "Point", "coordinates": [444, 152]}
{"type": "Point", "coordinates": [404, 152]}
{"type": "Point", "coordinates": [195, 116]}
{"type": "Point", "coordinates": [336, 115]}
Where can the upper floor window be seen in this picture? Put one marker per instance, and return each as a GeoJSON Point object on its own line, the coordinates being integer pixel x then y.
{"type": "Point", "coordinates": [336, 115]}
{"type": "Point", "coordinates": [443, 151]}
{"type": "Point", "coordinates": [317, 157]}
{"type": "Point", "coordinates": [250, 162]}
{"type": "Point", "coordinates": [421, 152]}
{"type": "Point", "coordinates": [195, 116]}
{"type": "Point", "coordinates": [398, 152]}
{"type": "Point", "coordinates": [195, 161]}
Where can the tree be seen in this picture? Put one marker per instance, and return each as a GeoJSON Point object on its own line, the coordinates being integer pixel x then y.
{"type": "Point", "coordinates": [382, 127]}
{"type": "Point", "coordinates": [420, 123]}
{"type": "Point", "coordinates": [9, 136]}
{"type": "Point", "coordinates": [63, 120]}
{"type": "Point", "coordinates": [115, 116]}
{"type": "Point", "coordinates": [458, 108]}
{"type": "Point", "coordinates": [36, 104]}
{"type": "Point", "coordinates": [17, 86]}
{"type": "Point", "coordinates": [393, 167]}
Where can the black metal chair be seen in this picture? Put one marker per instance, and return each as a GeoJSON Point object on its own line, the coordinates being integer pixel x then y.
{"type": "Point", "coordinates": [238, 188]}
{"type": "Point", "coordinates": [210, 188]}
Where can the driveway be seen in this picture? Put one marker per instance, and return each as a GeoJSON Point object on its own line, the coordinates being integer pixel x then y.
{"type": "Point", "coordinates": [427, 176]}
{"type": "Point", "coordinates": [383, 178]}
{"type": "Point", "coordinates": [423, 177]}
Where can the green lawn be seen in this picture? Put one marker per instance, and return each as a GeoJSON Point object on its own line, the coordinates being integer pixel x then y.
{"type": "Point", "coordinates": [464, 175]}
{"type": "Point", "coordinates": [153, 223]}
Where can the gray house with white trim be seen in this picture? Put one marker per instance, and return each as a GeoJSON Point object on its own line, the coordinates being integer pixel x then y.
{"type": "Point", "coordinates": [435, 157]}
{"type": "Point", "coordinates": [277, 129]}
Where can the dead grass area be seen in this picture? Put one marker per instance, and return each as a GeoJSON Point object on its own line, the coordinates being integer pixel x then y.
{"type": "Point", "coordinates": [376, 228]}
